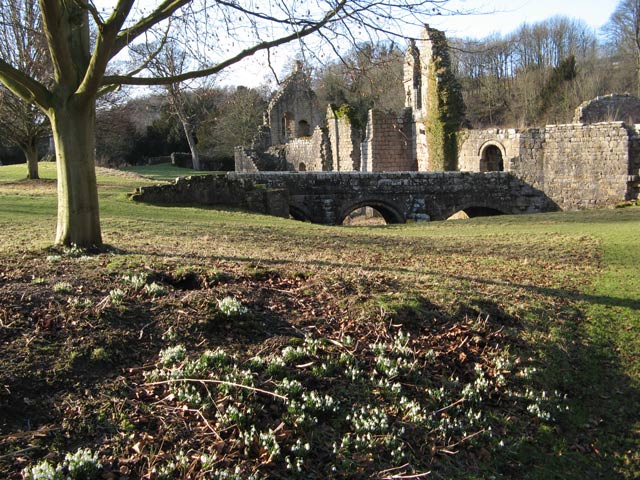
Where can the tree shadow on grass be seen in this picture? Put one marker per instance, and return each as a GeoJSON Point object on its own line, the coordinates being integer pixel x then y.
{"type": "Point", "coordinates": [305, 264]}
{"type": "Point", "coordinates": [594, 438]}
{"type": "Point", "coordinates": [597, 437]}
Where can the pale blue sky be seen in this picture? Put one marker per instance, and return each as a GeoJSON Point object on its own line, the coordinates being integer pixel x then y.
{"type": "Point", "coordinates": [493, 16]}
{"type": "Point", "coordinates": [504, 16]}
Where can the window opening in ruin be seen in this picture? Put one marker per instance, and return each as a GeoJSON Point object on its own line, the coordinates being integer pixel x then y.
{"type": "Point", "coordinates": [288, 126]}
{"type": "Point", "coordinates": [302, 167]}
{"type": "Point", "coordinates": [304, 130]}
{"type": "Point", "coordinates": [491, 159]}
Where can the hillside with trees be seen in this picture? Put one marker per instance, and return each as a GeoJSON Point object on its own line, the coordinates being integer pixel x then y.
{"type": "Point", "coordinates": [534, 76]}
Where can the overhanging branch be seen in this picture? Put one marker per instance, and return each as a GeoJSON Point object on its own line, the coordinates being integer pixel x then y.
{"type": "Point", "coordinates": [24, 86]}
{"type": "Point", "coordinates": [163, 12]}
{"type": "Point", "coordinates": [308, 30]}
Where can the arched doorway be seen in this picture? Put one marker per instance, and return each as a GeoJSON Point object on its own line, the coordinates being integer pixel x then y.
{"type": "Point", "coordinates": [491, 159]}
{"type": "Point", "coordinates": [302, 167]}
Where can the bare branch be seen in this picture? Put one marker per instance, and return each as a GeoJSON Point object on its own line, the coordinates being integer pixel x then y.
{"type": "Point", "coordinates": [24, 86]}
{"type": "Point", "coordinates": [305, 31]}
{"type": "Point", "coordinates": [164, 11]}
{"type": "Point", "coordinates": [104, 45]}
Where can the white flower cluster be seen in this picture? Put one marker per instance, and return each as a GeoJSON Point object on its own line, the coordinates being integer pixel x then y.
{"type": "Point", "coordinates": [232, 307]}
{"type": "Point", "coordinates": [82, 464]}
{"type": "Point", "coordinates": [135, 280]}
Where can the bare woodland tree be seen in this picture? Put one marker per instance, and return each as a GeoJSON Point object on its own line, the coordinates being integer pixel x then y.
{"type": "Point", "coordinates": [368, 76]}
{"type": "Point", "coordinates": [223, 30]}
{"type": "Point", "coordinates": [236, 122]}
{"type": "Point", "coordinates": [169, 61]}
{"type": "Point", "coordinates": [23, 45]}
{"type": "Point", "coordinates": [623, 34]}
{"type": "Point", "coordinates": [514, 79]}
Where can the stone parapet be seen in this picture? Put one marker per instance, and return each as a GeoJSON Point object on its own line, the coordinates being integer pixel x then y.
{"type": "Point", "coordinates": [327, 197]}
{"type": "Point", "coordinates": [219, 190]}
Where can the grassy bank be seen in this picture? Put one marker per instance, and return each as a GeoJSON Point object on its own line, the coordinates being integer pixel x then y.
{"type": "Point", "coordinates": [218, 344]}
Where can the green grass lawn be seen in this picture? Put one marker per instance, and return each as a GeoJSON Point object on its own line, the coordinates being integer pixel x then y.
{"type": "Point", "coordinates": [522, 360]}
{"type": "Point", "coordinates": [165, 171]}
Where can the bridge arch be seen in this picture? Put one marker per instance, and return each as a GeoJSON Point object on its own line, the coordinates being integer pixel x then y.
{"type": "Point", "coordinates": [299, 213]}
{"type": "Point", "coordinates": [389, 212]}
{"type": "Point", "coordinates": [492, 155]}
{"type": "Point", "coordinates": [473, 211]}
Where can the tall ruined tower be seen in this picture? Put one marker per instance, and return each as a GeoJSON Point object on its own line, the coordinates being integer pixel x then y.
{"type": "Point", "coordinates": [413, 78]}
{"type": "Point", "coordinates": [435, 96]}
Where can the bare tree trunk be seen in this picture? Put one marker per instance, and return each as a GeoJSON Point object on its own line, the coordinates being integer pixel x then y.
{"type": "Point", "coordinates": [636, 40]}
{"type": "Point", "coordinates": [73, 128]}
{"type": "Point", "coordinates": [195, 156]}
{"type": "Point", "coordinates": [188, 132]}
{"type": "Point", "coordinates": [638, 72]}
{"type": "Point", "coordinates": [31, 154]}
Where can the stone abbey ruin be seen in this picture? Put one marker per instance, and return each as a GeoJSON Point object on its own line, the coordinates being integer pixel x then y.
{"type": "Point", "coordinates": [592, 162]}
{"type": "Point", "coordinates": [421, 165]}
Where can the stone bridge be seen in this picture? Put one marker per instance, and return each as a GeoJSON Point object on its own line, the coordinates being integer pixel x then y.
{"type": "Point", "coordinates": [328, 198]}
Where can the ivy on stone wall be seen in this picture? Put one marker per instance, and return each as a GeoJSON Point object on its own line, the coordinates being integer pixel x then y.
{"type": "Point", "coordinates": [348, 112]}
{"type": "Point", "coordinates": [445, 107]}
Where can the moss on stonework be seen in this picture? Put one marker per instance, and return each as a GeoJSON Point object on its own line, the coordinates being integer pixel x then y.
{"type": "Point", "coordinates": [445, 107]}
{"type": "Point", "coordinates": [349, 113]}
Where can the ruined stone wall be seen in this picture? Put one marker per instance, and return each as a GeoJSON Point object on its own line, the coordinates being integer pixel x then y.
{"type": "Point", "coordinates": [249, 160]}
{"type": "Point", "coordinates": [633, 192]}
{"type": "Point", "coordinates": [295, 102]}
{"type": "Point", "coordinates": [309, 153]}
{"type": "Point", "coordinates": [586, 166]}
{"type": "Point", "coordinates": [634, 149]}
{"type": "Point", "coordinates": [577, 166]}
{"type": "Point", "coordinates": [243, 158]}
{"type": "Point", "coordinates": [300, 154]}
{"type": "Point", "coordinates": [530, 164]}
{"type": "Point", "coordinates": [442, 104]}
{"type": "Point", "coordinates": [344, 140]}
{"type": "Point", "coordinates": [413, 78]}
{"type": "Point", "coordinates": [473, 144]}
{"type": "Point", "coordinates": [609, 108]}
{"type": "Point", "coordinates": [387, 144]}
{"type": "Point", "coordinates": [421, 148]}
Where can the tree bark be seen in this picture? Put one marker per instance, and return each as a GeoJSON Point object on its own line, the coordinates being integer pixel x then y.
{"type": "Point", "coordinates": [195, 155]}
{"type": "Point", "coordinates": [73, 126]}
{"type": "Point", "coordinates": [31, 154]}
{"type": "Point", "coordinates": [178, 101]}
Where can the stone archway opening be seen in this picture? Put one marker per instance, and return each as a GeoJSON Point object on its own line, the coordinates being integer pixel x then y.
{"type": "Point", "coordinates": [302, 167]}
{"type": "Point", "coordinates": [491, 159]}
{"type": "Point", "coordinates": [473, 212]}
{"type": "Point", "coordinates": [371, 213]}
{"type": "Point", "coordinates": [364, 216]}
